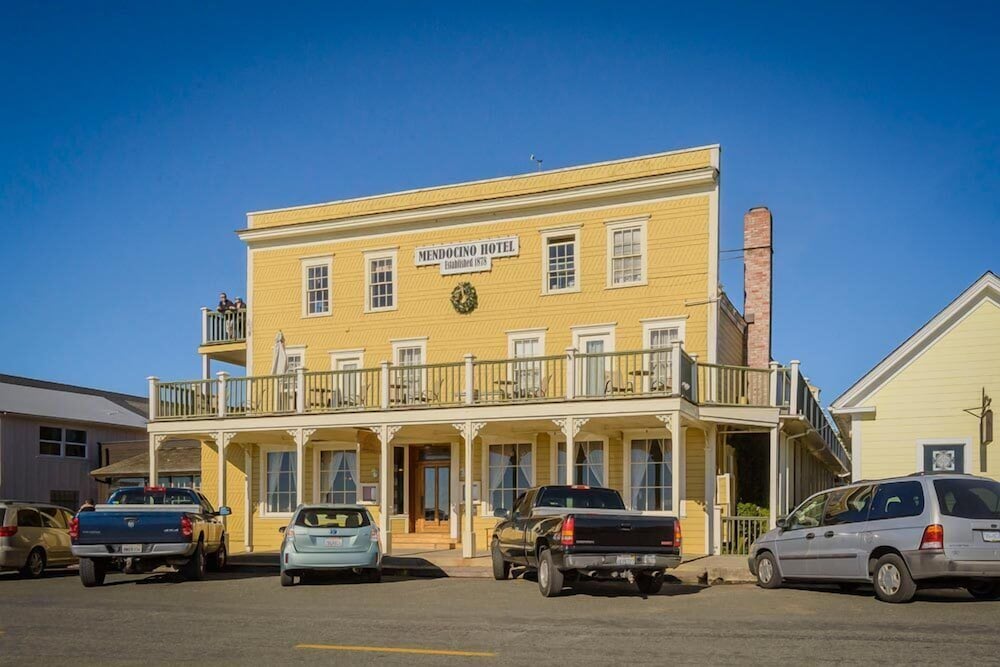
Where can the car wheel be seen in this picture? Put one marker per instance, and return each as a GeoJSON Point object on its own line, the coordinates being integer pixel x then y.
{"type": "Point", "coordinates": [768, 575]}
{"type": "Point", "coordinates": [987, 590]}
{"type": "Point", "coordinates": [287, 579]}
{"type": "Point", "coordinates": [35, 565]}
{"type": "Point", "coordinates": [501, 568]}
{"type": "Point", "coordinates": [194, 569]}
{"type": "Point", "coordinates": [649, 583]}
{"type": "Point", "coordinates": [92, 572]}
{"type": "Point", "coordinates": [219, 558]}
{"type": "Point", "coordinates": [550, 579]}
{"type": "Point", "coordinates": [892, 580]}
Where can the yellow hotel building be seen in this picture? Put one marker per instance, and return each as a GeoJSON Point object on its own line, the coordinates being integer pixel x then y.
{"type": "Point", "coordinates": [435, 352]}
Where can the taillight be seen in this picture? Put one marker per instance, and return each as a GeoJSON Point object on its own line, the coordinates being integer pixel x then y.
{"type": "Point", "coordinates": [933, 537]}
{"type": "Point", "coordinates": [9, 531]}
{"type": "Point", "coordinates": [375, 534]}
{"type": "Point", "coordinates": [568, 538]}
{"type": "Point", "coordinates": [187, 530]}
{"type": "Point", "coordinates": [677, 534]}
{"type": "Point", "coordinates": [74, 528]}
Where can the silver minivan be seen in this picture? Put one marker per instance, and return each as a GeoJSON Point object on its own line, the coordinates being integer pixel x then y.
{"type": "Point", "coordinates": [34, 536]}
{"type": "Point", "coordinates": [925, 530]}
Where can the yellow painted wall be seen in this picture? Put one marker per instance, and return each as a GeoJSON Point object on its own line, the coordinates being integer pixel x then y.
{"type": "Point", "coordinates": [732, 346]}
{"type": "Point", "coordinates": [928, 399]}
{"type": "Point", "coordinates": [509, 296]}
{"type": "Point", "coordinates": [490, 189]}
{"type": "Point", "coordinates": [693, 523]}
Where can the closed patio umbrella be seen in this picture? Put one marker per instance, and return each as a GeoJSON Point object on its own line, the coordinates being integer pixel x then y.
{"type": "Point", "coordinates": [279, 359]}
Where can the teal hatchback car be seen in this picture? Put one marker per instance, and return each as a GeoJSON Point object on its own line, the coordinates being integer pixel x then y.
{"type": "Point", "coordinates": [327, 538]}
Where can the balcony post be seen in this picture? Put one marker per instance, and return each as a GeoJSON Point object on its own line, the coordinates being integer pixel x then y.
{"type": "Point", "coordinates": [570, 373]}
{"type": "Point", "coordinates": [300, 390]}
{"type": "Point", "coordinates": [775, 399]}
{"type": "Point", "coordinates": [223, 387]}
{"type": "Point", "coordinates": [384, 398]}
{"type": "Point", "coordinates": [154, 396]}
{"type": "Point", "coordinates": [675, 370]}
{"type": "Point", "coordinates": [793, 400]}
{"type": "Point", "coordinates": [470, 391]}
{"type": "Point", "coordinates": [694, 378]}
{"type": "Point", "coordinates": [204, 325]}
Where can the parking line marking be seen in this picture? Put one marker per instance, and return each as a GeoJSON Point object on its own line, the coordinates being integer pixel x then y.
{"type": "Point", "coordinates": [389, 649]}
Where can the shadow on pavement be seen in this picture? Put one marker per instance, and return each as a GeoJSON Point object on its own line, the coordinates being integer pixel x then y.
{"type": "Point", "coordinates": [934, 595]}
{"type": "Point", "coordinates": [615, 589]}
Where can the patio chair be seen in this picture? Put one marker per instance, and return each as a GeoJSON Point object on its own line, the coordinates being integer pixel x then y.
{"type": "Point", "coordinates": [433, 395]}
{"type": "Point", "coordinates": [358, 400]}
{"type": "Point", "coordinates": [617, 386]}
{"type": "Point", "coordinates": [542, 390]}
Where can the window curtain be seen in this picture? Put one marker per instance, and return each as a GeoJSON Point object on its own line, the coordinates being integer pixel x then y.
{"type": "Point", "coordinates": [524, 464]}
{"type": "Point", "coordinates": [596, 461]}
{"type": "Point", "coordinates": [638, 460]}
{"type": "Point", "coordinates": [352, 462]}
{"type": "Point", "coordinates": [499, 460]}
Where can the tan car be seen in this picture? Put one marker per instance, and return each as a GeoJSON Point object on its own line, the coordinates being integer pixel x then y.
{"type": "Point", "coordinates": [34, 536]}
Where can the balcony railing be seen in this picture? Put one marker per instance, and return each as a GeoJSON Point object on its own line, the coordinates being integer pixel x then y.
{"type": "Point", "coordinates": [226, 327]}
{"type": "Point", "coordinates": [734, 385]}
{"type": "Point", "coordinates": [804, 403]}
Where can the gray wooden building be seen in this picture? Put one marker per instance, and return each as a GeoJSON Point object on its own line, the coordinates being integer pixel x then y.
{"type": "Point", "coordinates": [52, 435]}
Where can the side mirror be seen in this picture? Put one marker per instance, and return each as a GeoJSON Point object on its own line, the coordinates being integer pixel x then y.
{"type": "Point", "coordinates": [782, 523]}
{"type": "Point", "coordinates": [501, 513]}
{"type": "Point", "coordinates": [282, 529]}
{"type": "Point", "coordinates": [225, 511]}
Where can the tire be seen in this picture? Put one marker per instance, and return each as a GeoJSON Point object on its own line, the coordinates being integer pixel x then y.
{"type": "Point", "coordinates": [501, 568]}
{"type": "Point", "coordinates": [374, 575]}
{"type": "Point", "coordinates": [220, 558]}
{"type": "Point", "coordinates": [768, 575]}
{"type": "Point", "coordinates": [92, 572]}
{"type": "Point", "coordinates": [892, 580]}
{"type": "Point", "coordinates": [989, 590]}
{"type": "Point", "coordinates": [550, 579]}
{"type": "Point", "coordinates": [287, 579]}
{"type": "Point", "coordinates": [34, 565]}
{"type": "Point", "coordinates": [194, 569]}
{"type": "Point", "coordinates": [649, 583]}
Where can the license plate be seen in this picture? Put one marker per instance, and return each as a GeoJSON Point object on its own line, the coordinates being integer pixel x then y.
{"type": "Point", "coordinates": [131, 549]}
{"type": "Point", "coordinates": [334, 541]}
{"type": "Point", "coordinates": [991, 536]}
{"type": "Point", "coordinates": [625, 560]}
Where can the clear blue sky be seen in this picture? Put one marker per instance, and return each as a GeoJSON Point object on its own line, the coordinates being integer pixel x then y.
{"type": "Point", "coordinates": [134, 137]}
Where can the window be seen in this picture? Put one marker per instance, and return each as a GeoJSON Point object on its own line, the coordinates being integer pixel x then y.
{"type": "Point", "coordinates": [605, 499]}
{"type": "Point", "coordinates": [380, 281]}
{"type": "Point", "coordinates": [280, 483]}
{"type": "Point", "coordinates": [561, 263]}
{"type": "Point", "coordinates": [296, 356]}
{"type": "Point", "coordinates": [316, 275]}
{"type": "Point", "coordinates": [510, 473]}
{"type": "Point", "coordinates": [51, 442]}
{"type": "Point", "coordinates": [332, 518]}
{"type": "Point", "coordinates": [407, 384]}
{"type": "Point", "coordinates": [28, 518]}
{"type": "Point", "coordinates": [338, 477]}
{"type": "Point", "coordinates": [351, 387]}
{"type": "Point", "coordinates": [588, 468]}
{"type": "Point", "coordinates": [809, 514]}
{"type": "Point", "coordinates": [662, 334]}
{"type": "Point", "coordinates": [969, 498]}
{"type": "Point", "coordinates": [897, 500]}
{"type": "Point", "coordinates": [651, 475]}
{"type": "Point", "coordinates": [944, 457]}
{"type": "Point", "coordinates": [53, 517]}
{"type": "Point", "coordinates": [626, 253]}
{"type": "Point", "coordinates": [848, 505]}
{"type": "Point", "coordinates": [179, 481]}
{"type": "Point", "coordinates": [528, 378]}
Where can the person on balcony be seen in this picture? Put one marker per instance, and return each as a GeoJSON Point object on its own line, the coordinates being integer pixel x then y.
{"type": "Point", "coordinates": [239, 304]}
{"type": "Point", "coordinates": [225, 304]}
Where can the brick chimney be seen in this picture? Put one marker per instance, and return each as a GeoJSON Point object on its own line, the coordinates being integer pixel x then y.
{"type": "Point", "coordinates": [757, 287]}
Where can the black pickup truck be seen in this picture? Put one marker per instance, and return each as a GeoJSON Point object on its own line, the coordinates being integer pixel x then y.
{"type": "Point", "coordinates": [568, 532]}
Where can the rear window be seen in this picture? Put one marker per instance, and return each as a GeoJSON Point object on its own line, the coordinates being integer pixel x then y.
{"type": "Point", "coordinates": [570, 498]}
{"type": "Point", "coordinates": [968, 498]}
{"type": "Point", "coordinates": [153, 497]}
{"type": "Point", "coordinates": [28, 519]}
{"type": "Point", "coordinates": [897, 500]}
{"type": "Point", "coordinates": [332, 518]}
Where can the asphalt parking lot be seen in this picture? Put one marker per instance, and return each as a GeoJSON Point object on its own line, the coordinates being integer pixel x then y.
{"type": "Point", "coordinates": [245, 617]}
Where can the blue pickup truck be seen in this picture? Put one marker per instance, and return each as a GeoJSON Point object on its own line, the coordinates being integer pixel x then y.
{"type": "Point", "coordinates": [142, 528]}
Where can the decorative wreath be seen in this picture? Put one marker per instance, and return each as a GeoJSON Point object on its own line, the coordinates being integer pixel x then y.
{"type": "Point", "coordinates": [464, 298]}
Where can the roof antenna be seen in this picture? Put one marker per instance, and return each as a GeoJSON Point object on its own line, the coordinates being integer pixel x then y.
{"type": "Point", "coordinates": [536, 160]}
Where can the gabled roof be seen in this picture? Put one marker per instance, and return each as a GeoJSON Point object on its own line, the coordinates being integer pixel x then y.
{"type": "Point", "coordinates": [181, 457]}
{"type": "Point", "coordinates": [986, 288]}
{"type": "Point", "coordinates": [52, 400]}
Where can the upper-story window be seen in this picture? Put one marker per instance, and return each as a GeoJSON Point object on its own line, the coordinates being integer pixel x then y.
{"type": "Point", "coordinates": [68, 442]}
{"type": "Point", "coordinates": [530, 376]}
{"type": "Point", "coordinates": [627, 253]}
{"type": "Point", "coordinates": [316, 280]}
{"type": "Point", "coordinates": [296, 355]}
{"type": "Point", "coordinates": [380, 280]}
{"type": "Point", "coordinates": [561, 260]}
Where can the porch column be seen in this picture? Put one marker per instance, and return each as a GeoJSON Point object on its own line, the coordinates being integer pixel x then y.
{"type": "Point", "coordinates": [456, 492]}
{"type": "Point", "coordinates": [676, 443]}
{"type": "Point", "coordinates": [569, 427]}
{"type": "Point", "coordinates": [774, 477]}
{"type": "Point", "coordinates": [710, 471]}
{"type": "Point", "coordinates": [248, 499]}
{"type": "Point", "coordinates": [385, 434]}
{"type": "Point", "coordinates": [220, 445]}
{"type": "Point", "coordinates": [469, 430]}
{"type": "Point", "coordinates": [300, 467]}
{"type": "Point", "coordinates": [154, 444]}
{"type": "Point", "coordinates": [206, 367]}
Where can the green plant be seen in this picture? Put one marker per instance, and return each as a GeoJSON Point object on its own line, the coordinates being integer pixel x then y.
{"type": "Point", "coordinates": [751, 509]}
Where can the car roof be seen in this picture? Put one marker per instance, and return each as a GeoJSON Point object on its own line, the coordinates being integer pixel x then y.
{"type": "Point", "coordinates": [330, 506]}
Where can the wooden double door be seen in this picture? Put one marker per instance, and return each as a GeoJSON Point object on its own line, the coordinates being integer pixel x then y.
{"type": "Point", "coordinates": [430, 488]}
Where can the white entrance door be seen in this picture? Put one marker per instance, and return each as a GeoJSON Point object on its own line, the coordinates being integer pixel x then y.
{"type": "Point", "coordinates": [594, 364]}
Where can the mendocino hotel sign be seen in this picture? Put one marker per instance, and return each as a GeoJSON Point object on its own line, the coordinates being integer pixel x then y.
{"type": "Point", "coordinates": [467, 257]}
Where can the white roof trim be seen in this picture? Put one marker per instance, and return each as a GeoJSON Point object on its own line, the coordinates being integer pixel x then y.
{"type": "Point", "coordinates": [987, 288]}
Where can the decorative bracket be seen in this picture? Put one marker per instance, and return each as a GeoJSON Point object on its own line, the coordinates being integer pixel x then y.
{"type": "Point", "coordinates": [159, 440]}
{"type": "Point", "coordinates": [668, 421]}
{"type": "Point", "coordinates": [578, 423]}
{"type": "Point", "coordinates": [227, 437]}
{"type": "Point", "coordinates": [391, 431]}
{"type": "Point", "coordinates": [476, 428]}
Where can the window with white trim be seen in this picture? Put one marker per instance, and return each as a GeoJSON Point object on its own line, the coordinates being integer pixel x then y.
{"type": "Point", "coordinates": [69, 443]}
{"type": "Point", "coordinates": [626, 254]}
{"type": "Point", "coordinates": [588, 464]}
{"type": "Point", "coordinates": [510, 473]}
{"type": "Point", "coordinates": [296, 356]}
{"type": "Point", "coordinates": [338, 476]}
{"type": "Point", "coordinates": [650, 474]}
{"type": "Point", "coordinates": [380, 281]}
{"type": "Point", "coordinates": [409, 382]}
{"type": "Point", "coordinates": [661, 338]}
{"type": "Point", "coordinates": [527, 374]}
{"type": "Point", "coordinates": [280, 483]}
{"type": "Point", "coordinates": [316, 281]}
{"type": "Point", "coordinates": [561, 261]}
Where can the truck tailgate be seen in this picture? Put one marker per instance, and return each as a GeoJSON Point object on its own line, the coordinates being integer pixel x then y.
{"type": "Point", "coordinates": [138, 525]}
{"type": "Point", "coordinates": [605, 532]}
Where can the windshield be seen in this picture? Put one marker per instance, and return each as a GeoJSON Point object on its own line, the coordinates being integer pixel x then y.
{"type": "Point", "coordinates": [969, 498]}
{"type": "Point", "coordinates": [580, 498]}
{"type": "Point", "coordinates": [325, 517]}
{"type": "Point", "coordinates": [153, 496]}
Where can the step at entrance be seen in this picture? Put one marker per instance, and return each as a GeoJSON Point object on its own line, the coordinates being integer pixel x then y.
{"type": "Point", "coordinates": [423, 541]}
